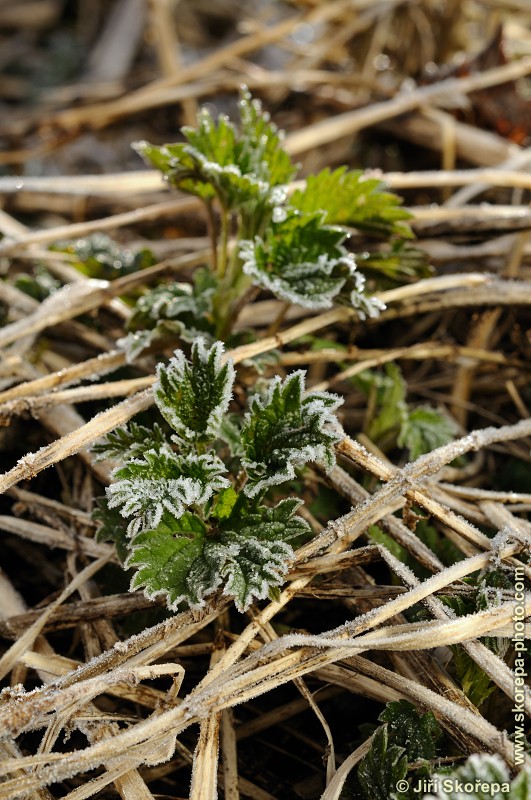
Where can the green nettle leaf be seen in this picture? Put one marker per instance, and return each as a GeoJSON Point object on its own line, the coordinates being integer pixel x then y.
{"type": "Point", "coordinates": [184, 301]}
{"type": "Point", "coordinates": [482, 777]}
{"type": "Point", "coordinates": [424, 429]}
{"type": "Point", "coordinates": [419, 429]}
{"type": "Point", "coordinates": [229, 432]}
{"type": "Point", "coordinates": [351, 198]}
{"type": "Point", "coordinates": [391, 400]}
{"type": "Point", "coordinates": [162, 482]}
{"type": "Point", "coordinates": [38, 284]}
{"type": "Point", "coordinates": [224, 503]}
{"type": "Point", "coordinates": [171, 312]}
{"type": "Point", "coordinates": [474, 681]}
{"type": "Point", "coordinates": [190, 531]}
{"type": "Point", "coordinates": [397, 261]}
{"type": "Point", "coordinates": [99, 256]}
{"type": "Point", "coordinates": [194, 395]}
{"type": "Point", "coordinates": [417, 733]}
{"type": "Point", "coordinates": [164, 559]}
{"type": "Point", "coordinates": [261, 145]}
{"type": "Point", "coordinates": [164, 334]}
{"type": "Point", "coordinates": [303, 261]}
{"type": "Point", "coordinates": [131, 441]}
{"type": "Point", "coordinates": [261, 550]}
{"type": "Point", "coordinates": [286, 429]}
{"type": "Point", "coordinates": [239, 167]}
{"type": "Point", "coordinates": [181, 559]}
{"type": "Point", "coordinates": [382, 768]}
{"type": "Point", "coordinates": [299, 259]}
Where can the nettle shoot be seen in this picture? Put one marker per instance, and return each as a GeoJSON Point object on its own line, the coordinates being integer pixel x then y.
{"type": "Point", "coordinates": [194, 497]}
{"type": "Point", "coordinates": [264, 238]}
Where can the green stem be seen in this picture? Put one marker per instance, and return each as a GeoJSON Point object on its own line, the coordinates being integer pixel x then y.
{"type": "Point", "coordinates": [279, 319]}
{"type": "Point", "coordinates": [211, 226]}
{"type": "Point", "coordinates": [223, 244]}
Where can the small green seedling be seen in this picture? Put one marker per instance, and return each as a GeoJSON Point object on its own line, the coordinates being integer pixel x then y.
{"type": "Point", "coordinates": [195, 499]}
{"type": "Point", "coordinates": [263, 237]}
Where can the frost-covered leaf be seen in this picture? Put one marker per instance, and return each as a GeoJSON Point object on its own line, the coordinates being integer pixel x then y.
{"type": "Point", "coordinates": [286, 429]}
{"type": "Point", "coordinates": [417, 733]}
{"type": "Point", "coordinates": [475, 682]}
{"type": "Point", "coordinates": [240, 166]}
{"type": "Point", "coordinates": [169, 313]}
{"type": "Point", "coordinates": [160, 482]}
{"type": "Point", "coordinates": [189, 303]}
{"type": "Point", "coordinates": [185, 561]}
{"type": "Point", "coordinates": [194, 395]}
{"type": "Point", "coordinates": [38, 284]}
{"type": "Point", "coordinates": [300, 260]}
{"type": "Point", "coordinates": [482, 777]}
{"type": "Point", "coordinates": [166, 333]}
{"type": "Point", "coordinates": [112, 527]}
{"type": "Point", "coordinates": [382, 768]}
{"type": "Point", "coordinates": [99, 256]}
{"type": "Point", "coordinates": [262, 553]}
{"type": "Point", "coordinates": [229, 432]}
{"type": "Point", "coordinates": [130, 441]}
{"type": "Point", "coordinates": [165, 559]}
{"type": "Point", "coordinates": [303, 261]}
{"type": "Point", "coordinates": [424, 429]}
{"type": "Point", "coordinates": [351, 198]}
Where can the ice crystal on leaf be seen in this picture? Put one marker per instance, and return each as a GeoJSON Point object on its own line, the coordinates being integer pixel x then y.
{"type": "Point", "coordinates": [299, 260]}
{"type": "Point", "coordinates": [171, 312]}
{"type": "Point", "coordinates": [287, 429]}
{"type": "Point", "coordinates": [190, 304]}
{"type": "Point", "coordinates": [262, 552]}
{"type": "Point", "coordinates": [193, 396]}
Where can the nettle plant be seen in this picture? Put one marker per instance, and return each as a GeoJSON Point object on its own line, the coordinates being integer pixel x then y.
{"type": "Point", "coordinates": [263, 237]}
{"type": "Point", "coordinates": [194, 498]}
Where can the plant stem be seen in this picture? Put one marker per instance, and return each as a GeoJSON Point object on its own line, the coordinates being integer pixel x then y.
{"type": "Point", "coordinates": [211, 226]}
{"type": "Point", "coordinates": [223, 244]}
{"type": "Point", "coordinates": [279, 319]}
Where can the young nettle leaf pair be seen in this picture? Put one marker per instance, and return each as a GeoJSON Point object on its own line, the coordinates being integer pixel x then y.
{"type": "Point", "coordinates": [191, 525]}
